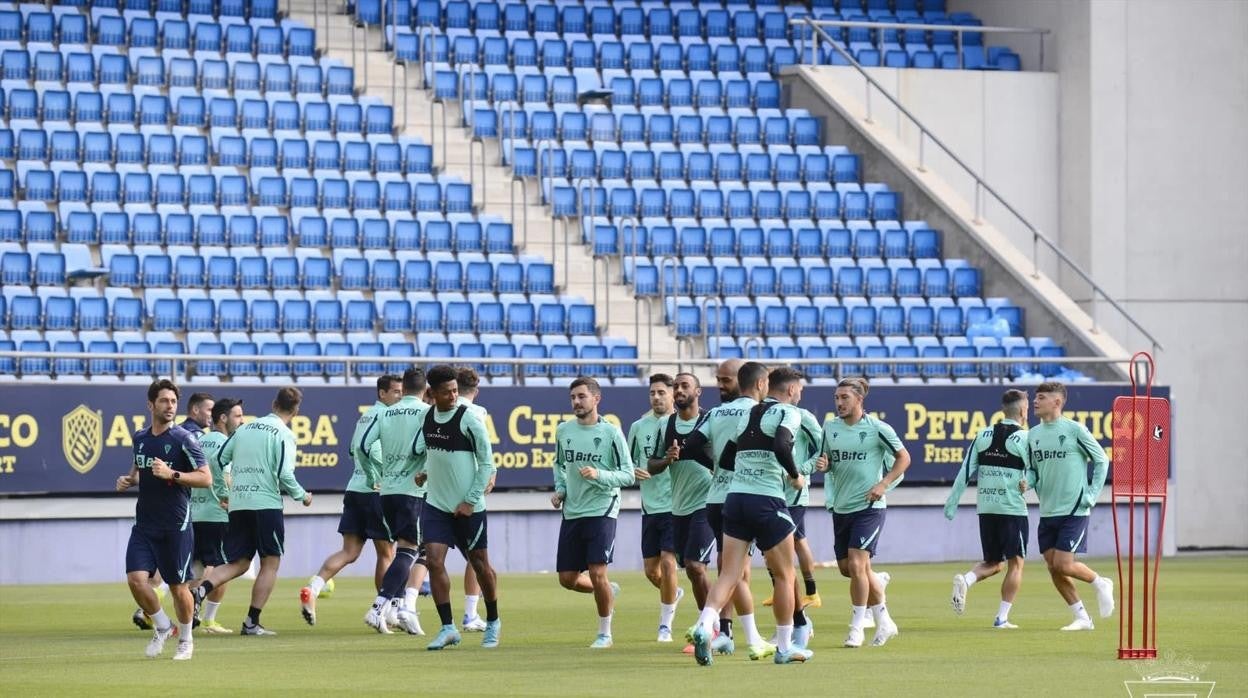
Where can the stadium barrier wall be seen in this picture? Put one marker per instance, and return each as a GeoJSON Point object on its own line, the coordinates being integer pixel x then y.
{"type": "Point", "coordinates": [55, 440]}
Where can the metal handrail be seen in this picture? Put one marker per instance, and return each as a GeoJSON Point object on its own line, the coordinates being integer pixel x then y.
{"type": "Point", "coordinates": [578, 184]}
{"type": "Point", "coordinates": [752, 342]}
{"type": "Point", "coordinates": [606, 285]}
{"type": "Point", "coordinates": [980, 184]}
{"type": "Point", "coordinates": [706, 304]}
{"type": "Point", "coordinates": [958, 29]}
{"type": "Point", "coordinates": [567, 249]}
{"type": "Point", "coordinates": [433, 137]}
{"type": "Point", "coordinates": [663, 263]}
{"type": "Point", "coordinates": [634, 223]}
{"type": "Point", "coordinates": [543, 175]}
{"type": "Point", "coordinates": [420, 49]}
{"type": "Point", "coordinates": [524, 194]}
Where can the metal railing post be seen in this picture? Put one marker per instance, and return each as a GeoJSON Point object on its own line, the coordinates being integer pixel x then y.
{"type": "Point", "coordinates": [922, 143]}
{"type": "Point", "coordinates": [472, 169]}
{"type": "Point", "coordinates": [707, 304]}
{"type": "Point", "coordinates": [386, 44]}
{"type": "Point", "coordinates": [979, 206]}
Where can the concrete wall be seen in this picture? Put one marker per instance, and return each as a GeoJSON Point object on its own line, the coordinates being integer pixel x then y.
{"type": "Point", "coordinates": [1153, 175]}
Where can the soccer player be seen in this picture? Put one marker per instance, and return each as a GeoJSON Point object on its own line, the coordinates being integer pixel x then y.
{"type": "Point", "coordinates": [468, 380]}
{"type": "Point", "coordinates": [760, 455]}
{"type": "Point", "coordinates": [808, 447]}
{"type": "Point", "coordinates": [454, 457]}
{"type": "Point", "coordinates": [1060, 450]}
{"type": "Point", "coordinates": [198, 413]}
{"type": "Point", "coordinates": [719, 427]}
{"type": "Point", "coordinates": [210, 515]}
{"type": "Point", "coordinates": [859, 448]}
{"type": "Point", "coordinates": [361, 507]}
{"type": "Point", "coordinates": [389, 441]}
{"type": "Point", "coordinates": [591, 465]}
{"type": "Point", "coordinates": [998, 460]}
{"type": "Point", "coordinates": [658, 552]}
{"type": "Point", "coordinates": [161, 538]}
{"type": "Point", "coordinates": [198, 418]}
{"type": "Point", "coordinates": [691, 533]}
{"type": "Point", "coordinates": [261, 455]}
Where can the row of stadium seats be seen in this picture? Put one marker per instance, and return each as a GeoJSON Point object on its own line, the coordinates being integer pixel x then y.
{"type": "Point", "coordinates": [428, 231]}
{"type": "Point", "coordinates": [295, 311]}
{"type": "Point", "coordinates": [303, 351]}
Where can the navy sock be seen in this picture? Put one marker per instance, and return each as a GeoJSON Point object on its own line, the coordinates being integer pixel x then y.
{"type": "Point", "coordinates": [810, 586]}
{"type": "Point", "coordinates": [395, 580]}
{"type": "Point", "coordinates": [253, 616]}
{"type": "Point", "coordinates": [207, 586]}
{"type": "Point", "coordinates": [725, 626]}
{"type": "Point", "coordinates": [444, 613]}
{"type": "Point", "coordinates": [491, 610]}
{"type": "Point", "coordinates": [799, 618]}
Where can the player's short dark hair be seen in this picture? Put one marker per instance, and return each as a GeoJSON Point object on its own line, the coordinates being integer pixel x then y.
{"type": "Point", "coordinates": [750, 373]}
{"type": "Point", "coordinates": [858, 384]}
{"type": "Point", "coordinates": [288, 399]}
{"type": "Point", "coordinates": [783, 376]}
{"type": "Point", "coordinates": [1012, 396]}
{"type": "Point", "coordinates": [438, 375]}
{"type": "Point", "coordinates": [662, 378]}
{"type": "Point", "coordinates": [386, 382]}
{"type": "Point", "coordinates": [223, 406]}
{"type": "Point", "coordinates": [696, 381]}
{"type": "Point", "coordinates": [153, 390]}
{"type": "Point", "coordinates": [1052, 387]}
{"type": "Point", "coordinates": [589, 383]}
{"type": "Point", "coordinates": [196, 399]}
{"type": "Point", "coordinates": [414, 381]}
{"type": "Point", "coordinates": [467, 378]}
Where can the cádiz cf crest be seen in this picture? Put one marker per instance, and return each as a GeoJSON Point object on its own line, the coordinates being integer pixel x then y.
{"type": "Point", "coordinates": [82, 437]}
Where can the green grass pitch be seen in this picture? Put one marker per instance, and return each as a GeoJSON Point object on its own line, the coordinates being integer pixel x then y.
{"type": "Point", "coordinates": [78, 640]}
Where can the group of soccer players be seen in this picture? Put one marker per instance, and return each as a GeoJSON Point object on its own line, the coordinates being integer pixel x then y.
{"type": "Point", "coordinates": [731, 478]}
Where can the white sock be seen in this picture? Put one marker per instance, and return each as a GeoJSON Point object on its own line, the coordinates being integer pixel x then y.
{"type": "Point", "coordinates": [409, 598]}
{"type": "Point", "coordinates": [879, 580]}
{"type": "Point", "coordinates": [379, 602]}
{"type": "Point", "coordinates": [210, 610]}
{"type": "Point", "coordinates": [1099, 581]}
{"type": "Point", "coordinates": [162, 588]}
{"type": "Point", "coordinates": [470, 605]}
{"type": "Point", "coordinates": [751, 629]}
{"type": "Point", "coordinates": [880, 613]}
{"type": "Point", "coordinates": [784, 638]}
{"type": "Point", "coordinates": [604, 625]}
{"type": "Point", "coordinates": [709, 619]}
{"type": "Point", "coordinates": [316, 584]}
{"type": "Point", "coordinates": [667, 613]}
{"type": "Point", "coordinates": [1003, 613]}
{"type": "Point", "coordinates": [161, 620]}
{"type": "Point", "coordinates": [1080, 612]}
{"type": "Point", "coordinates": [184, 632]}
{"type": "Point", "coordinates": [970, 578]}
{"type": "Point", "coordinates": [859, 618]}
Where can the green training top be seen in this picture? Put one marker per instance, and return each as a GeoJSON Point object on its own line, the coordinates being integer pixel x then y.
{"type": "Point", "coordinates": [858, 457]}
{"type": "Point", "coordinates": [206, 501]}
{"type": "Point", "coordinates": [261, 455]}
{"type": "Point", "coordinates": [758, 471]}
{"type": "Point", "coordinates": [656, 491]}
{"type": "Point", "coordinates": [997, 474]}
{"type": "Point", "coordinates": [457, 461]}
{"type": "Point", "coordinates": [1060, 451]}
{"type": "Point", "coordinates": [367, 472]}
{"type": "Point", "coordinates": [720, 427]}
{"type": "Point", "coordinates": [807, 441]}
{"type": "Point", "coordinates": [389, 441]}
{"type": "Point", "coordinates": [690, 479]}
{"type": "Point", "coordinates": [600, 446]}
